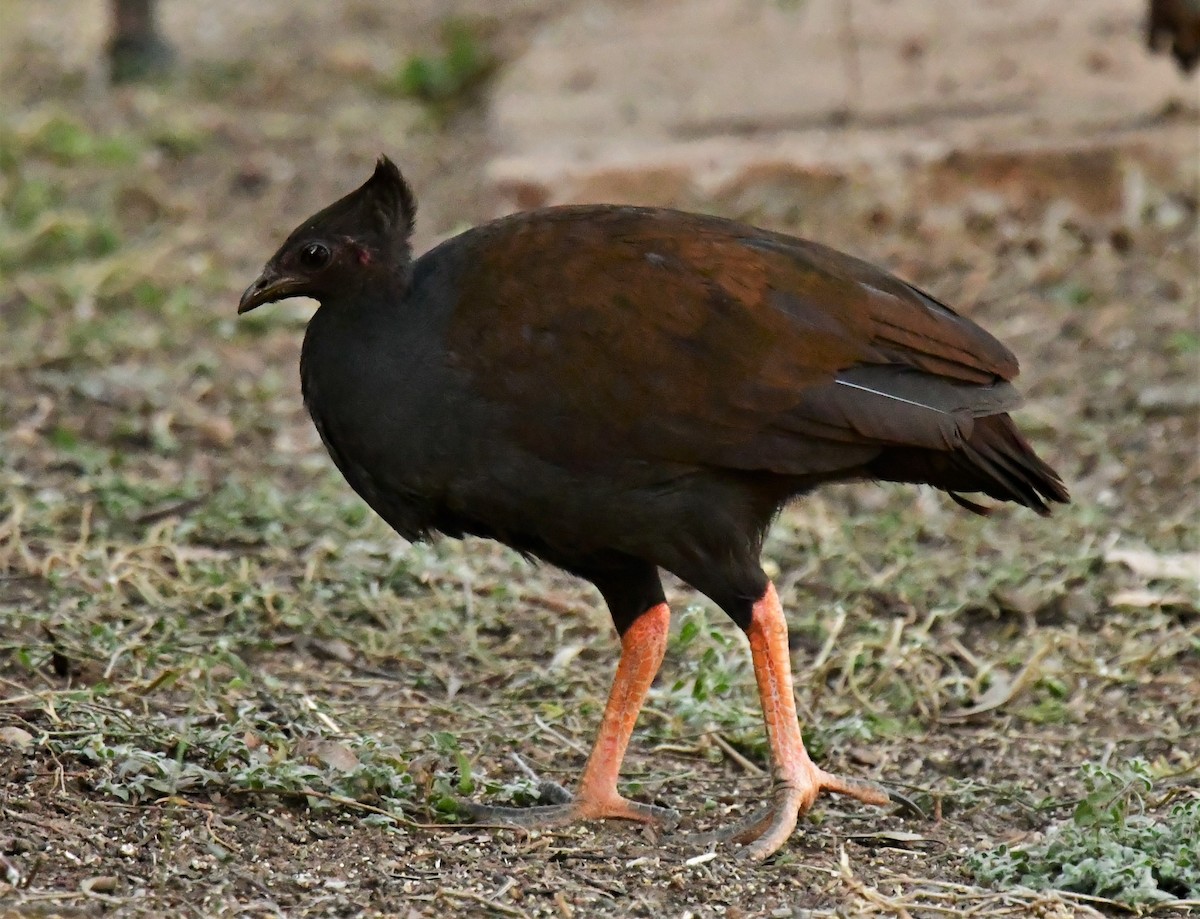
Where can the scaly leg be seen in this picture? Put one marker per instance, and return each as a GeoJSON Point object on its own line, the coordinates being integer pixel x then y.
{"type": "Point", "coordinates": [642, 649]}
{"type": "Point", "coordinates": [798, 780]}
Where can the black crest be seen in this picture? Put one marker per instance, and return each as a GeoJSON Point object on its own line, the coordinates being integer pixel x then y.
{"type": "Point", "coordinates": [389, 197]}
{"type": "Point", "coordinates": [379, 213]}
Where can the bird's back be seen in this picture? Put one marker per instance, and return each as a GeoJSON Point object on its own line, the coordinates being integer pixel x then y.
{"type": "Point", "coordinates": [694, 340]}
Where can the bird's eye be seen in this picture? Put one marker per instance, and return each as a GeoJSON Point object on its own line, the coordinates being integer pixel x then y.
{"type": "Point", "coordinates": [314, 255]}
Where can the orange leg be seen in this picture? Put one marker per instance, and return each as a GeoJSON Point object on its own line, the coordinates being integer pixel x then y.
{"type": "Point", "coordinates": [642, 649]}
{"type": "Point", "coordinates": [798, 779]}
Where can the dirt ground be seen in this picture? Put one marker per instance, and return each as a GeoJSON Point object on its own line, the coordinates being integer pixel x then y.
{"type": "Point", "coordinates": [226, 689]}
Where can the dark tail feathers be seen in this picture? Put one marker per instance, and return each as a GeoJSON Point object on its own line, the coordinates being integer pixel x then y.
{"type": "Point", "coordinates": [996, 461]}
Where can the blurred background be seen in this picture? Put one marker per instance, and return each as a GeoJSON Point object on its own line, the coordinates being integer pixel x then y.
{"type": "Point", "coordinates": [182, 570]}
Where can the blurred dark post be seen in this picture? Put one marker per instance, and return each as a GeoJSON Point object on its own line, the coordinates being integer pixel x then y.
{"type": "Point", "coordinates": [1174, 25]}
{"type": "Point", "coordinates": [136, 49]}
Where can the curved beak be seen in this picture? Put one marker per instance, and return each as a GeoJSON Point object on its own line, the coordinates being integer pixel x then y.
{"type": "Point", "coordinates": [267, 288]}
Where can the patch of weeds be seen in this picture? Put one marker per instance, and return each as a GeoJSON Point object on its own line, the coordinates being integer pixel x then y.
{"type": "Point", "coordinates": [239, 513]}
{"type": "Point", "coordinates": [27, 198]}
{"type": "Point", "coordinates": [67, 141]}
{"type": "Point", "coordinates": [179, 138]}
{"type": "Point", "coordinates": [1183, 341]}
{"type": "Point", "coordinates": [217, 80]}
{"type": "Point", "coordinates": [87, 458]}
{"type": "Point", "coordinates": [1046, 711]}
{"type": "Point", "coordinates": [452, 76]}
{"type": "Point", "coordinates": [519, 791]}
{"type": "Point", "coordinates": [260, 512]}
{"type": "Point", "coordinates": [121, 499]}
{"type": "Point", "coordinates": [1072, 293]}
{"type": "Point", "coordinates": [714, 687]}
{"type": "Point", "coordinates": [1111, 847]}
{"type": "Point", "coordinates": [10, 149]}
{"type": "Point", "coordinates": [447, 788]}
{"type": "Point", "coordinates": [259, 749]}
{"type": "Point", "coordinates": [63, 237]}
{"type": "Point", "coordinates": [357, 769]}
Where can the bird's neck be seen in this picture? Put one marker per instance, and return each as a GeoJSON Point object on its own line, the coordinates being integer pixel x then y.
{"type": "Point", "coordinates": [365, 302]}
{"type": "Point", "coordinates": [351, 324]}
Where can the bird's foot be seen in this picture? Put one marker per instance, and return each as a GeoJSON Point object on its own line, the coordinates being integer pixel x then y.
{"type": "Point", "coordinates": [568, 809]}
{"type": "Point", "coordinates": [767, 831]}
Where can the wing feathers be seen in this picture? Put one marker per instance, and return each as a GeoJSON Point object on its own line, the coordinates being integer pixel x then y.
{"type": "Point", "coordinates": [898, 406]}
{"type": "Point", "coordinates": [695, 340]}
{"type": "Point", "coordinates": [886, 395]}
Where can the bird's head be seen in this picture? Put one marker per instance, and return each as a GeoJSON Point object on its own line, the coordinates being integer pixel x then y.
{"type": "Point", "coordinates": [358, 239]}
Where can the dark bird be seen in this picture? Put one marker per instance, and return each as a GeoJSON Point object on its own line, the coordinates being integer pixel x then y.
{"type": "Point", "coordinates": [1174, 25]}
{"type": "Point", "coordinates": [618, 390]}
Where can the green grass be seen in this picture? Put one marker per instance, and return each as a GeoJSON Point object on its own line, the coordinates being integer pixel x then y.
{"type": "Point", "coordinates": [449, 77]}
{"type": "Point", "coordinates": [259, 742]}
{"type": "Point", "coordinates": [1128, 841]}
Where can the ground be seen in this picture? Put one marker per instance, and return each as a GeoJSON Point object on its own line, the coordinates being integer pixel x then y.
{"type": "Point", "coordinates": [227, 689]}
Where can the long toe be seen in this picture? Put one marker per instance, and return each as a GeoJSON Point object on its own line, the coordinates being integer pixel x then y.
{"type": "Point", "coordinates": [577, 810]}
{"type": "Point", "coordinates": [537, 817]}
{"type": "Point", "coordinates": [799, 779]}
{"type": "Point", "coordinates": [867, 792]}
{"type": "Point", "coordinates": [665, 817]}
{"type": "Point", "coordinates": [784, 814]}
{"type": "Point", "coordinates": [767, 831]}
{"type": "Point", "coordinates": [743, 831]}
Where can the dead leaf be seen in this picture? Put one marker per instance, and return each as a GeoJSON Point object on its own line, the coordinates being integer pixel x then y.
{"type": "Point", "coordinates": [564, 655]}
{"type": "Point", "coordinates": [1015, 600]}
{"type": "Point", "coordinates": [1003, 689]}
{"type": "Point", "coordinates": [333, 649]}
{"type": "Point", "coordinates": [329, 753]}
{"type": "Point", "coordinates": [105, 883]}
{"type": "Point", "coordinates": [1174, 566]}
{"type": "Point", "coordinates": [15, 737]}
{"type": "Point", "coordinates": [216, 431]}
{"type": "Point", "coordinates": [894, 839]}
{"type": "Point", "coordinates": [27, 429]}
{"type": "Point", "coordinates": [1169, 400]}
{"type": "Point", "coordinates": [1146, 599]}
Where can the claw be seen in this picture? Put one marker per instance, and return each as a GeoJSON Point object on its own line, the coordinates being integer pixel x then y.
{"type": "Point", "coordinates": [765, 831]}
{"type": "Point", "coordinates": [799, 780]}
{"type": "Point", "coordinates": [792, 799]}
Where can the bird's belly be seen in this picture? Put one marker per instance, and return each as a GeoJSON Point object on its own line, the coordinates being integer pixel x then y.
{"type": "Point", "coordinates": [659, 513]}
{"type": "Point", "coordinates": [444, 460]}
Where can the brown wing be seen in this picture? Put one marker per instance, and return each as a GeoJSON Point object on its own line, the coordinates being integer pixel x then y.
{"type": "Point", "coordinates": [699, 341]}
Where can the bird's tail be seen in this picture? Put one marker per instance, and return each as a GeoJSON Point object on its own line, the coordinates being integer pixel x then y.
{"type": "Point", "coordinates": [995, 460]}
